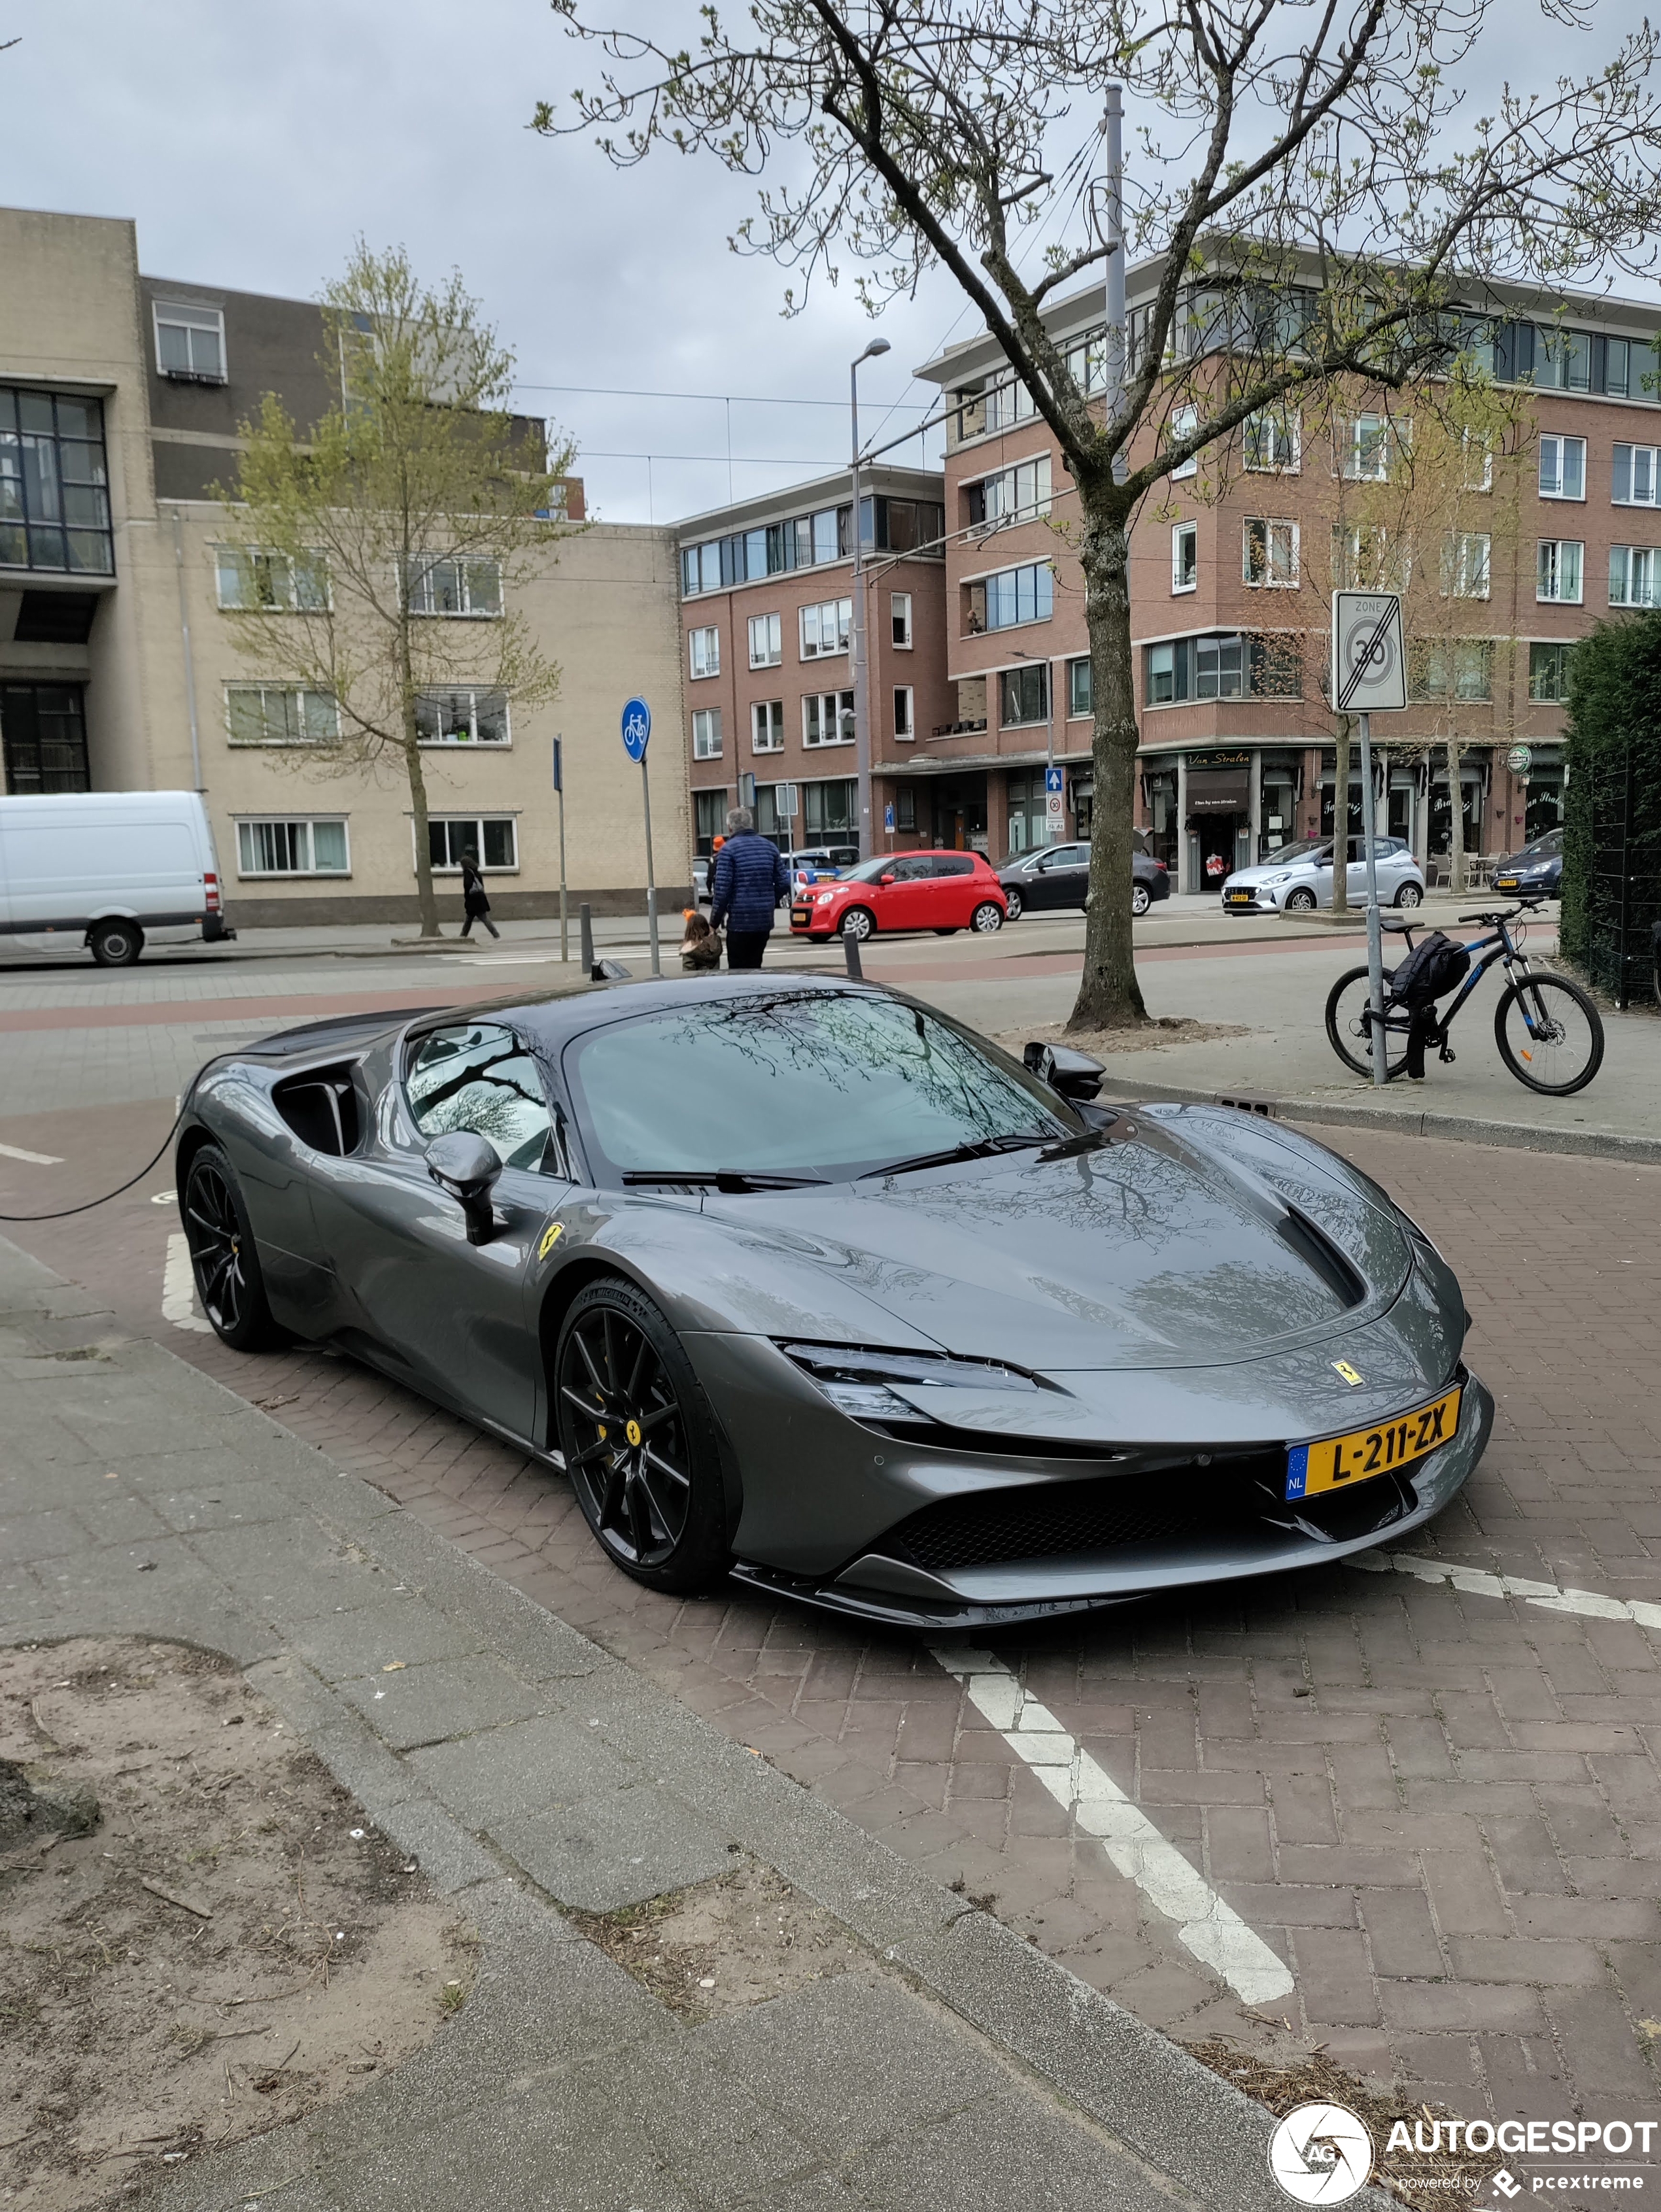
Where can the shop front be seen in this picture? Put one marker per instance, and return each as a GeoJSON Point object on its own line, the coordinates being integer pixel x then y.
{"type": "Point", "coordinates": [1280, 786]}
{"type": "Point", "coordinates": [1217, 811]}
{"type": "Point", "coordinates": [1160, 777]}
{"type": "Point", "coordinates": [959, 812]}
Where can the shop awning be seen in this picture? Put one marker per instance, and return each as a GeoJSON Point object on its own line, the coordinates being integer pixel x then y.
{"type": "Point", "coordinates": [1219, 790]}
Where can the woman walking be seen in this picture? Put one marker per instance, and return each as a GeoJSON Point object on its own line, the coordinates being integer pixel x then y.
{"type": "Point", "coordinates": [476, 906]}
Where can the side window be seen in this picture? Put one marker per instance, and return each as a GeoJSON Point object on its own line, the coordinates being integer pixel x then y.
{"type": "Point", "coordinates": [479, 1077]}
{"type": "Point", "coordinates": [954, 864]}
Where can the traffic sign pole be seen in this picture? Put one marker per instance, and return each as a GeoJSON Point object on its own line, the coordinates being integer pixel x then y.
{"type": "Point", "coordinates": [559, 786]}
{"type": "Point", "coordinates": [651, 886]}
{"type": "Point", "coordinates": [1375, 935]}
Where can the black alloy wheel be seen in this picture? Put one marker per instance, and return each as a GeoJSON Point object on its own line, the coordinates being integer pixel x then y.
{"type": "Point", "coordinates": [224, 1260]}
{"type": "Point", "coordinates": [639, 1439]}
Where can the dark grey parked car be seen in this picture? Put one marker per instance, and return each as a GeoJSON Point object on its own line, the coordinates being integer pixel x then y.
{"type": "Point", "coordinates": [798, 1280]}
{"type": "Point", "coordinates": [1059, 876]}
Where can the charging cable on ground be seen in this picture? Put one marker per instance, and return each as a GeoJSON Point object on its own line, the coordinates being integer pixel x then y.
{"type": "Point", "coordinates": [62, 1213]}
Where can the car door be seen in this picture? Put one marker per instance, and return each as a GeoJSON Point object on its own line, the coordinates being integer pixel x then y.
{"type": "Point", "coordinates": [451, 1312]}
{"type": "Point", "coordinates": [904, 904]}
{"type": "Point", "coordinates": [952, 891]}
{"type": "Point", "coordinates": [1067, 873]}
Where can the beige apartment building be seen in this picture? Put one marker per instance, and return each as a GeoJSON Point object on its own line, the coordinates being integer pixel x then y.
{"type": "Point", "coordinates": [767, 610]}
{"type": "Point", "coordinates": [121, 396]}
{"type": "Point", "coordinates": [1229, 608]}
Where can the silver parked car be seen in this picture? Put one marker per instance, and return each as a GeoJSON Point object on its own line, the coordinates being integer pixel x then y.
{"type": "Point", "coordinates": [1300, 877]}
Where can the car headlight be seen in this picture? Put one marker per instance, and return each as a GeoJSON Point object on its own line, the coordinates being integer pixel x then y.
{"type": "Point", "coordinates": [823, 898]}
{"type": "Point", "coordinates": [855, 1379]}
{"type": "Point", "coordinates": [1269, 883]}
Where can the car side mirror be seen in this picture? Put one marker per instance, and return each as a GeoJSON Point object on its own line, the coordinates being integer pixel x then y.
{"type": "Point", "coordinates": [884, 879]}
{"type": "Point", "coordinates": [1074, 1074]}
{"type": "Point", "coordinates": [465, 1166]}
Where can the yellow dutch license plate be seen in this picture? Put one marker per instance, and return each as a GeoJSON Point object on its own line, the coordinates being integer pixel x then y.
{"type": "Point", "coordinates": [1337, 1463]}
{"type": "Point", "coordinates": [1239, 899]}
{"type": "Point", "coordinates": [1505, 883]}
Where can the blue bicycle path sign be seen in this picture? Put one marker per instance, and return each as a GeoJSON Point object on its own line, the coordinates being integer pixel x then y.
{"type": "Point", "coordinates": [637, 728]}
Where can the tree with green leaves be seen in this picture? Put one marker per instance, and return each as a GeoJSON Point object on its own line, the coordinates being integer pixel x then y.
{"type": "Point", "coordinates": [372, 555]}
{"type": "Point", "coordinates": [1312, 193]}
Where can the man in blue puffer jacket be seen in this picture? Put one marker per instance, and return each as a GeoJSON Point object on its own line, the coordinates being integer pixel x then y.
{"type": "Point", "coordinates": [750, 879]}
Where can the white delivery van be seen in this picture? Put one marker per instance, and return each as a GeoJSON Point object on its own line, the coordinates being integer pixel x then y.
{"type": "Point", "coordinates": [111, 870]}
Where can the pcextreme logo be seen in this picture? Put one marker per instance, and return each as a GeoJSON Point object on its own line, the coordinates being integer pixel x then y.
{"type": "Point", "coordinates": [1321, 2155]}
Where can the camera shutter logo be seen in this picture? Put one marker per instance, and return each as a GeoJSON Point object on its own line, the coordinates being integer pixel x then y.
{"type": "Point", "coordinates": [1321, 2155]}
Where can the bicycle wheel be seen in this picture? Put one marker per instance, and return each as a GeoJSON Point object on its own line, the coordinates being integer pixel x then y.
{"type": "Point", "coordinates": [1349, 1028]}
{"type": "Point", "coordinates": [1550, 1034]}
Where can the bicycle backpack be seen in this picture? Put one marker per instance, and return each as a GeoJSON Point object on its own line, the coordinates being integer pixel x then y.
{"type": "Point", "coordinates": [1435, 966]}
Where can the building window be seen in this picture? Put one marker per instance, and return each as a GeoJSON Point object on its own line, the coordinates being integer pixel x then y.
{"type": "Point", "coordinates": [1560, 560]}
{"type": "Point", "coordinates": [905, 807]}
{"type": "Point", "coordinates": [1632, 576]}
{"type": "Point", "coordinates": [1013, 495]}
{"type": "Point", "coordinates": [697, 564]}
{"type": "Point", "coordinates": [1465, 564]}
{"type": "Point", "coordinates": [767, 725]}
{"type": "Point", "coordinates": [439, 584]}
{"type": "Point", "coordinates": [308, 847]}
{"type": "Point", "coordinates": [1007, 405]}
{"type": "Point", "coordinates": [1220, 667]}
{"type": "Point", "coordinates": [709, 819]}
{"type": "Point", "coordinates": [1016, 596]}
{"type": "Point", "coordinates": [1370, 558]}
{"type": "Point", "coordinates": [1374, 440]}
{"type": "Point", "coordinates": [827, 718]}
{"type": "Point", "coordinates": [279, 714]}
{"type": "Point", "coordinates": [1225, 664]}
{"type": "Point", "coordinates": [1185, 557]}
{"type": "Point", "coordinates": [1024, 695]}
{"type": "Point", "coordinates": [189, 342]}
{"type": "Point", "coordinates": [250, 578]}
{"type": "Point", "coordinates": [703, 651]}
{"type": "Point", "coordinates": [831, 809]}
{"type": "Point", "coordinates": [1476, 460]}
{"type": "Point", "coordinates": [904, 726]}
{"type": "Point", "coordinates": [493, 838]}
{"type": "Point", "coordinates": [1078, 689]}
{"type": "Point", "coordinates": [43, 739]}
{"type": "Point", "coordinates": [1548, 673]}
{"type": "Point", "coordinates": [901, 525]}
{"type": "Point", "coordinates": [1268, 554]}
{"type": "Point", "coordinates": [899, 616]}
{"type": "Point", "coordinates": [1562, 359]}
{"type": "Point", "coordinates": [462, 718]}
{"type": "Point", "coordinates": [1273, 443]}
{"type": "Point", "coordinates": [1635, 477]}
{"type": "Point", "coordinates": [1459, 669]}
{"type": "Point", "coordinates": [825, 629]}
{"type": "Point", "coordinates": [705, 733]}
{"type": "Point", "coordinates": [1184, 422]}
{"type": "Point", "coordinates": [1562, 468]}
{"type": "Point", "coordinates": [54, 484]}
{"type": "Point", "coordinates": [766, 641]}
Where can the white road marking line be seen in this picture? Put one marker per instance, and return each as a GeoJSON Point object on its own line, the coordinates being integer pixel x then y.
{"type": "Point", "coordinates": [179, 1288]}
{"type": "Point", "coordinates": [35, 1160]}
{"type": "Point", "coordinates": [1212, 1930]}
{"type": "Point", "coordinates": [1592, 1604]}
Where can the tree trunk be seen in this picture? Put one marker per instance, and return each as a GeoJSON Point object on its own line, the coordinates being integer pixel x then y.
{"type": "Point", "coordinates": [1110, 996]}
{"type": "Point", "coordinates": [1340, 817]}
{"type": "Point", "coordinates": [424, 858]}
{"type": "Point", "coordinates": [1456, 822]}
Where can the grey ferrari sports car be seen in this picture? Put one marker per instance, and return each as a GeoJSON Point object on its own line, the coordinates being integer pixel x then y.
{"type": "Point", "coordinates": [796, 1280]}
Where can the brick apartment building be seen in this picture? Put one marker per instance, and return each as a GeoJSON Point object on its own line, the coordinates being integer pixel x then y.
{"type": "Point", "coordinates": [1233, 759]}
{"type": "Point", "coordinates": [121, 396]}
{"type": "Point", "coordinates": [767, 616]}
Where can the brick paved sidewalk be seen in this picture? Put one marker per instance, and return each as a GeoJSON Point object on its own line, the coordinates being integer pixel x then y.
{"type": "Point", "coordinates": [1439, 1806]}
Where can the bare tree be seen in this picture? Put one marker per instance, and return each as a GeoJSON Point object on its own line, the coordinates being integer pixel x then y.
{"type": "Point", "coordinates": [372, 558]}
{"type": "Point", "coordinates": [1319, 206]}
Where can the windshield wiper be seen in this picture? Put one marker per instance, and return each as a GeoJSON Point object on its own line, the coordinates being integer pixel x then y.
{"type": "Point", "coordinates": [973, 1148]}
{"type": "Point", "coordinates": [727, 1179]}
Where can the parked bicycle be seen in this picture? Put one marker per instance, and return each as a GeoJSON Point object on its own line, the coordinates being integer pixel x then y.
{"type": "Point", "coordinates": [1549, 1032]}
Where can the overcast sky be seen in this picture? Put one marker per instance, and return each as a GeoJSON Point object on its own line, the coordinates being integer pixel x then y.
{"type": "Point", "coordinates": [252, 142]}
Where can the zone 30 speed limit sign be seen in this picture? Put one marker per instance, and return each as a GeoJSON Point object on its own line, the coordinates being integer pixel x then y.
{"type": "Point", "coordinates": [1369, 667]}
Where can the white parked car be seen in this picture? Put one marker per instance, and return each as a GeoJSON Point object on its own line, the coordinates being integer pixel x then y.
{"type": "Point", "coordinates": [111, 870]}
{"type": "Point", "coordinates": [1299, 878]}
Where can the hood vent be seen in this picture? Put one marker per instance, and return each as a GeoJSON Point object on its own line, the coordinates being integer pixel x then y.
{"type": "Point", "coordinates": [1319, 1252]}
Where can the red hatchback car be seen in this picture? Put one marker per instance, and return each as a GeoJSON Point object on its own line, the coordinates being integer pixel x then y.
{"type": "Point", "coordinates": [941, 892]}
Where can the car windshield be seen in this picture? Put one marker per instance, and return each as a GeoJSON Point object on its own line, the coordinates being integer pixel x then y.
{"type": "Point", "coordinates": [1306, 848]}
{"type": "Point", "coordinates": [868, 871]}
{"type": "Point", "coordinates": [1543, 848]}
{"type": "Point", "coordinates": [823, 1083]}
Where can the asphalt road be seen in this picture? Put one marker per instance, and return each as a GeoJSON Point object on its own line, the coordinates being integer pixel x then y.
{"type": "Point", "coordinates": [1427, 1795]}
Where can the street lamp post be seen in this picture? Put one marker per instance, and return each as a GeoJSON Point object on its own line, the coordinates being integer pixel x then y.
{"type": "Point", "coordinates": [857, 641]}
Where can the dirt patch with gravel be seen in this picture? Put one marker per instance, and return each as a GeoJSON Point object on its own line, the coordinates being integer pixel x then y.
{"type": "Point", "coordinates": [201, 1934]}
{"type": "Point", "coordinates": [1142, 1037]}
{"type": "Point", "coordinates": [735, 1941]}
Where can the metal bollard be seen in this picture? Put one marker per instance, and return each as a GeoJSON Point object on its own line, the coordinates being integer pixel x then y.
{"type": "Point", "coordinates": [585, 924]}
{"type": "Point", "coordinates": [850, 951]}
